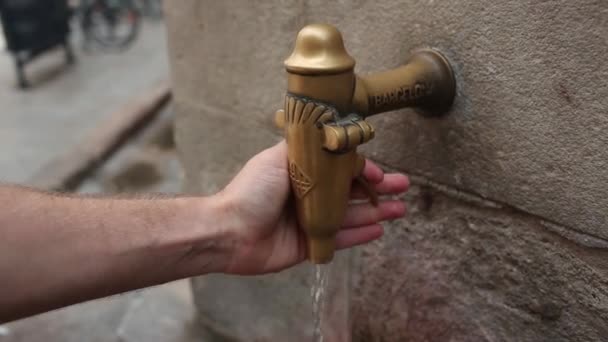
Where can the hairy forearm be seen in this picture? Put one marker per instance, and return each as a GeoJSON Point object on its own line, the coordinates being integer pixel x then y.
{"type": "Point", "coordinates": [59, 250]}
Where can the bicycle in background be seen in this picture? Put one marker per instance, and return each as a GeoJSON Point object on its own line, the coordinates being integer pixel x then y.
{"type": "Point", "coordinates": [32, 28]}
{"type": "Point", "coordinates": [112, 24]}
{"type": "Point", "coordinates": [151, 8]}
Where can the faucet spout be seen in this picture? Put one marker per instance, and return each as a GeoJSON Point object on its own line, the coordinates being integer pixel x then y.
{"type": "Point", "coordinates": [426, 82]}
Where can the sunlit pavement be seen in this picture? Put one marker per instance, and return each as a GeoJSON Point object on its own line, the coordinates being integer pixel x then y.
{"type": "Point", "coordinates": [66, 102]}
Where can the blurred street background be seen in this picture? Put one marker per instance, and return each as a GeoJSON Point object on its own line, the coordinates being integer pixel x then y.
{"type": "Point", "coordinates": [65, 102]}
{"type": "Point", "coordinates": [62, 106]}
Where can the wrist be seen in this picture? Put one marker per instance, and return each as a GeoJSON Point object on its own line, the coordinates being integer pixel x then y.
{"type": "Point", "coordinates": [204, 239]}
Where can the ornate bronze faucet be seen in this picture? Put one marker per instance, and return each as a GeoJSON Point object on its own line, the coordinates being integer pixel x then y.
{"type": "Point", "coordinates": [324, 122]}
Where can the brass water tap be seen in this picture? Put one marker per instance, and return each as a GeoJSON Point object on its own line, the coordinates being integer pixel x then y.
{"type": "Point", "coordinates": [324, 122]}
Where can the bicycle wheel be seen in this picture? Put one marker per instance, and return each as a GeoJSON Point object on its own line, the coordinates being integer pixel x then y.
{"type": "Point", "coordinates": [153, 8]}
{"type": "Point", "coordinates": [112, 23]}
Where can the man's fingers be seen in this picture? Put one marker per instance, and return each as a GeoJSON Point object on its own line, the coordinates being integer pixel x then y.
{"type": "Point", "coordinates": [372, 172]}
{"type": "Point", "coordinates": [366, 214]}
{"type": "Point", "coordinates": [357, 236]}
{"type": "Point", "coordinates": [392, 184]}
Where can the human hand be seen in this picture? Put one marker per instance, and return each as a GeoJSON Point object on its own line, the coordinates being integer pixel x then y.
{"type": "Point", "coordinates": [263, 226]}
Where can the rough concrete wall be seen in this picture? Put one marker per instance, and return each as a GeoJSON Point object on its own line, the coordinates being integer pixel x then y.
{"type": "Point", "coordinates": [526, 137]}
{"type": "Point", "coordinates": [456, 271]}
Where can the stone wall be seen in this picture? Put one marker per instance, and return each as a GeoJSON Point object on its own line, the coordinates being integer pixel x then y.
{"type": "Point", "coordinates": [507, 236]}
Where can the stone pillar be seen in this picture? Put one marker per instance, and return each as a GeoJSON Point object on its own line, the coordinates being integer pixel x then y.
{"type": "Point", "coordinates": [507, 236]}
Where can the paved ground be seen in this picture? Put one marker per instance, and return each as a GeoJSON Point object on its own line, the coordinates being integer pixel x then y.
{"type": "Point", "coordinates": [65, 103]}
{"type": "Point", "coordinates": [160, 314]}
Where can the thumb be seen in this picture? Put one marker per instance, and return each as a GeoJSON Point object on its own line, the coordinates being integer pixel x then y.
{"type": "Point", "coordinates": [275, 156]}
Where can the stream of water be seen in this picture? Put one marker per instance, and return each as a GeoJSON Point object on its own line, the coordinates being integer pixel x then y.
{"type": "Point", "coordinates": [318, 292]}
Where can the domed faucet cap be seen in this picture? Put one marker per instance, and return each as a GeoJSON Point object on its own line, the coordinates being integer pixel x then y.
{"type": "Point", "coordinates": [319, 49]}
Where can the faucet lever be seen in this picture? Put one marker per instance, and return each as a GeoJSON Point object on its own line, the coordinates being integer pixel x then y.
{"type": "Point", "coordinates": [346, 134]}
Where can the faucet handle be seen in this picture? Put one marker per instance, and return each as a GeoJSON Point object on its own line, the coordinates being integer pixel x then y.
{"type": "Point", "coordinates": [339, 136]}
{"type": "Point", "coordinates": [279, 118]}
{"type": "Point", "coordinates": [347, 134]}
